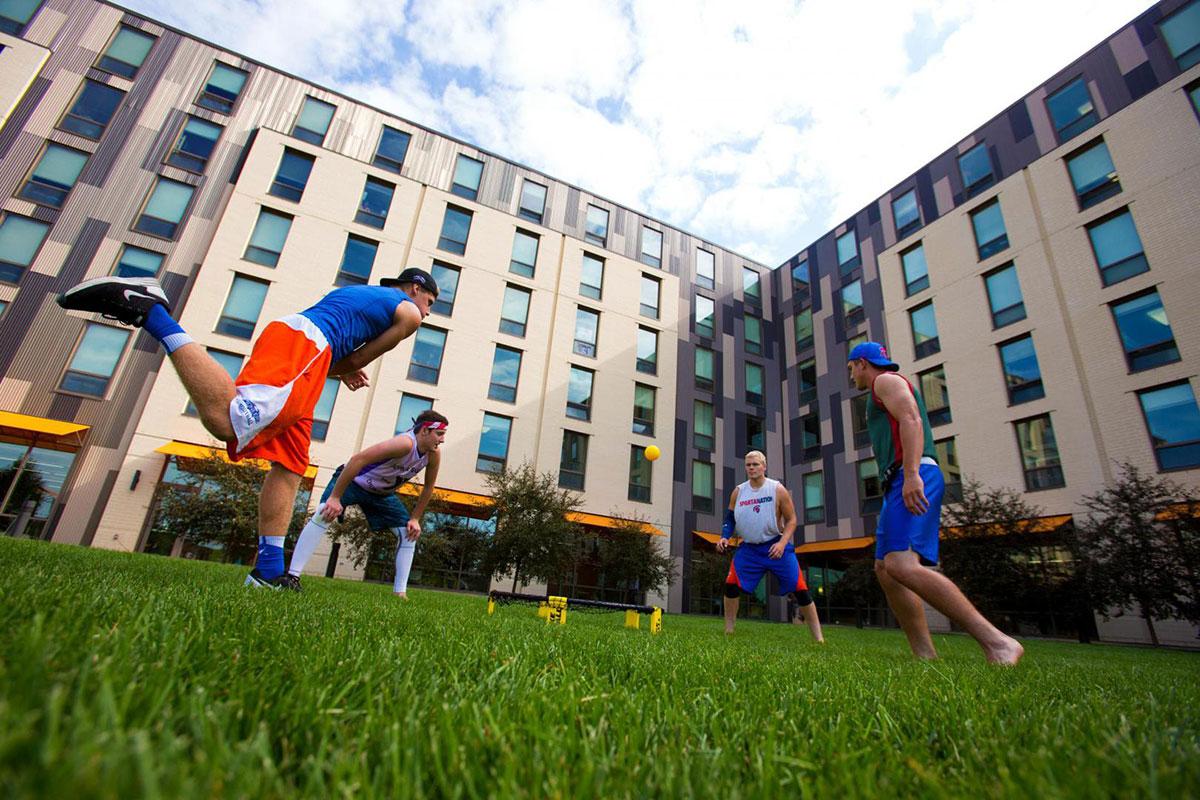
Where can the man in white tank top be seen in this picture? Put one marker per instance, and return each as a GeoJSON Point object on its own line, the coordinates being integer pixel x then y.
{"type": "Point", "coordinates": [761, 512]}
{"type": "Point", "coordinates": [369, 480]}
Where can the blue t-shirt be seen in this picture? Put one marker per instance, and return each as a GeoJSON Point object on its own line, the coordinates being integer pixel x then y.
{"type": "Point", "coordinates": [354, 315]}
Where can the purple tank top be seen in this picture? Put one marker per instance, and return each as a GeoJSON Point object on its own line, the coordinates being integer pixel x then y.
{"type": "Point", "coordinates": [385, 477]}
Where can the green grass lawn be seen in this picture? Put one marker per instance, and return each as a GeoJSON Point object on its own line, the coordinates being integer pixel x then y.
{"type": "Point", "coordinates": [138, 676]}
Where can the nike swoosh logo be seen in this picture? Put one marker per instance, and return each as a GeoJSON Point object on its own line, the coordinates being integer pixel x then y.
{"type": "Point", "coordinates": [130, 294]}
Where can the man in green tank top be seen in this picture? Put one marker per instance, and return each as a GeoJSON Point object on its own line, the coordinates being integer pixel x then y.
{"type": "Point", "coordinates": [910, 519]}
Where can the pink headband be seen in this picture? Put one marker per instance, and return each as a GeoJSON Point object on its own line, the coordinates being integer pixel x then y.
{"type": "Point", "coordinates": [431, 425]}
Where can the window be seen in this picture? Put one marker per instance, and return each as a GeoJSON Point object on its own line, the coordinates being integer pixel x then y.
{"type": "Point", "coordinates": [138, 263]}
{"type": "Point", "coordinates": [358, 259]}
{"type": "Point", "coordinates": [706, 269]}
{"type": "Point", "coordinates": [751, 287]}
{"type": "Point", "coordinates": [230, 362]}
{"type": "Point", "coordinates": [375, 202]}
{"type": "Point", "coordinates": [1145, 331]}
{"type": "Point", "coordinates": [573, 463]}
{"type": "Point", "coordinates": [990, 234]}
{"type": "Point", "coordinates": [935, 391]}
{"type": "Point", "coordinates": [924, 330]}
{"type": "Point", "coordinates": [426, 362]}
{"type": "Point", "coordinates": [853, 342]}
{"type": "Point", "coordinates": [95, 360]}
{"type": "Point", "coordinates": [703, 425]}
{"type": "Point", "coordinates": [704, 369]}
{"type": "Point", "coordinates": [324, 409]}
{"type": "Point", "coordinates": [907, 213]}
{"type": "Point", "coordinates": [292, 175]}
{"type": "Point", "coordinates": [870, 491]}
{"type": "Point", "coordinates": [313, 122]}
{"type": "Point", "coordinates": [514, 312]}
{"type": "Point", "coordinates": [651, 287]}
{"type": "Point", "coordinates": [391, 150]}
{"type": "Point", "coordinates": [126, 52]}
{"type": "Point", "coordinates": [1181, 31]}
{"type": "Point", "coordinates": [639, 475]}
{"type": "Point", "coordinates": [54, 176]}
{"type": "Point", "coordinates": [92, 110]}
{"type": "Point", "coordinates": [858, 419]}
{"type": "Point", "coordinates": [411, 406]}
{"type": "Point", "coordinates": [524, 254]}
{"type": "Point", "coordinates": [165, 209]}
{"type": "Point", "coordinates": [467, 174]}
{"type": "Point", "coordinates": [20, 240]}
{"type": "Point", "coordinates": [15, 15]}
{"type": "Point", "coordinates": [1118, 247]}
{"type": "Point", "coordinates": [1093, 174]}
{"type": "Point", "coordinates": [1039, 454]}
{"type": "Point", "coordinates": [1071, 110]}
{"type": "Point", "coordinates": [493, 443]}
{"type": "Point", "coordinates": [916, 271]}
{"type": "Point", "coordinates": [801, 279]}
{"type": "Point", "coordinates": [754, 384]}
{"type": "Point", "coordinates": [647, 351]}
{"type": "Point", "coordinates": [1022, 376]}
{"type": "Point", "coordinates": [807, 380]}
{"type": "Point", "coordinates": [756, 434]}
{"type": "Point", "coordinates": [1174, 424]}
{"type": "Point", "coordinates": [814, 498]}
{"type": "Point", "coordinates": [533, 201]}
{"type": "Point", "coordinates": [804, 329]}
{"type": "Point", "coordinates": [596, 230]}
{"type": "Point", "coordinates": [810, 436]}
{"type": "Point", "coordinates": [456, 227]}
{"type": "Point", "coordinates": [506, 371]}
{"type": "Point", "coordinates": [242, 307]}
{"type": "Point", "coordinates": [195, 145]}
{"type": "Point", "coordinates": [705, 312]}
{"type": "Point", "coordinates": [1004, 296]}
{"type": "Point", "coordinates": [270, 233]}
{"type": "Point", "coordinates": [446, 278]}
{"type": "Point", "coordinates": [852, 303]}
{"type": "Point", "coordinates": [847, 252]}
{"type": "Point", "coordinates": [975, 166]}
{"type": "Point", "coordinates": [643, 409]}
{"type": "Point", "coordinates": [651, 247]}
{"type": "Point", "coordinates": [587, 327]}
{"type": "Point", "coordinates": [947, 458]}
{"type": "Point", "coordinates": [591, 279]}
{"type": "Point", "coordinates": [221, 90]}
{"type": "Point", "coordinates": [579, 393]}
{"type": "Point", "coordinates": [703, 487]}
{"type": "Point", "coordinates": [754, 333]}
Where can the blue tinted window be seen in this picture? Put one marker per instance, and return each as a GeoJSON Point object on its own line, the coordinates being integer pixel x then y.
{"type": "Point", "coordinates": [92, 110]}
{"type": "Point", "coordinates": [358, 259]}
{"type": "Point", "coordinates": [754, 384]}
{"type": "Point", "coordinates": [514, 310]}
{"type": "Point", "coordinates": [591, 278]}
{"type": "Point", "coordinates": [533, 201]}
{"type": "Point", "coordinates": [1004, 296]}
{"type": "Point", "coordinates": [706, 269]}
{"type": "Point", "coordinates": [1118, 248]}
{"type": "Point", "coordinates": [446, 277]}
{"type": "Point", "coordinates": [54, 176]}
{"type": "Point", "coordinates": [493, 443]}
{"type": "Point", "coordinates": [456, 227]}
{"type": "Point", "coordinates": [847, 251]}
{"type": "Point", "coordinates": [224, 86]}
{"type": "Point", "coordinates": [852, 301]}
{"type": "Point", "coordinates": [1174, 423]}
{"type": "Point", "coordinates": [324, 409]}
{"type": "Point", "coordinates": [375, 202]}
{"type": "Point", "coordinates": [906, 213]}
{"type": "Point", "coordinates": [467, 174]}
{"type": "Point", "coordinates": [1093, 174]}
{"type": "Point", "coordinates": [579, 393]}
{"type": "Point", "coordinates": [524, 254]}
{"type": "Point", "coordinates": [126, 53]}
{"type": "Point", "coordinates": [393, 147]}
{"type": "Point", "coordinates": [1181, 31]}
{"type": "Point", "coordinates": [1145, 332]}
{"type": "Point", "coordinates": [426, 362]}
{"type": "Point", "coordinates": [990, 235]}
{"type": "Point", "coordinates": [292, 175]}
{"type": "Point", "coordinates": [95, 360]}
{"type": "Point", "coordinates": [651, 247]}
{"type": "Point", "coordinates": [1071, 110]}
{"type": "Point", "coordinates": [270, 233]}
{"type": "Point", "coordinates": [165, 209]}
{"type": "Point", "coordinates": [195, 144]}
{"type": "Point", "coordinates": [506, 371]}
{"type": "Point", "coordinates": [705, 310]}
{"type": "Point", "coordinates": [313, 122]}
{"type": "Point", "coordinates": [15, 15]}
{"type": "Point", "coordinates": [596, 230]}
{"type": "Point", "coordinates": [411, 407]}
{"type": "Point", "coordinates": [800, 276]}
{"type": "Point", "coordinates": [1039, 454]}
{"type": "Point", "coordinates": [242, 307]}
{"type": "Point", "coordinates": [138, 263]}
{"type": "Point", "coordinates": [1022, 376]}
{"type": "Point", "coordinates": [587, 328]}
{"type": "Point", "coordinates": [916, 271]}
{"type": "Point", "coordinates": [647, 351]}
{"type": "Point", "coordinates": [924, 330]}
{"type": "Point", "coordinates": [975, 165]}
{"type": "Point", "coordinates": [20, 238]}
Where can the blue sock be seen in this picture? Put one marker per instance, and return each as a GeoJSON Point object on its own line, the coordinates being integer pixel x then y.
{"type": "Point", "coordinates": [163, 327]}
{"type": "Point", "coordinates": [270, 556]}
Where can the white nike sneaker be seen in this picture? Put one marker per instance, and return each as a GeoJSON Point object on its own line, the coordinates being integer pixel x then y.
{"type": "Point", "coordinates": [126, 300]}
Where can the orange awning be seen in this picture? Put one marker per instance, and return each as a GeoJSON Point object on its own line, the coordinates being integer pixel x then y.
{"type": "Point", "coordinates": [833, 545]}
{"type": "Point", "coordinates": [26, 428]}
{"type": "Point", "coordinates": [601, 521]}
{"type": "Point", "coordinates": [1035, 525]}
{"type": "Point", "coordinates": [189, 450]}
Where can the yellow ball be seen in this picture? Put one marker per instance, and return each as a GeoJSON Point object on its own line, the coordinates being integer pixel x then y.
{"type": "Point", "coordinates": [652, 453]}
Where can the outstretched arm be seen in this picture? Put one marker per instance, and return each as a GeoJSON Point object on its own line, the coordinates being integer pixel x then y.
{"type": "Point", "coordinates": [396, 447]}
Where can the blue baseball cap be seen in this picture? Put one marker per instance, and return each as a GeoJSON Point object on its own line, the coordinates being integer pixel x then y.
{"type": "Point", "coordinates": [875, 353]}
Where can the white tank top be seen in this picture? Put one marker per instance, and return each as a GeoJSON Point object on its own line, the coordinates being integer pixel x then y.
{"type": "Point", "coordinates": [755, 515]}
{"type": "Point", "coordinates": [385, 477]}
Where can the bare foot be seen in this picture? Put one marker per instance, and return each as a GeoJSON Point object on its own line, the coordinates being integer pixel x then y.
{"type": "Point", "coordinates": [1007, 653]}
{"type": "Point", "coordinates": [930, 655]}
{"type": "Point", "coordinates": [401, 595]}
{"type": "Point", "coordinates": [728, 631]}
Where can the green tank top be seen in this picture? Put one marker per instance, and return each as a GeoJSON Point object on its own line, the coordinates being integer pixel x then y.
{"type": "Point", "coordinates": [885, 431]}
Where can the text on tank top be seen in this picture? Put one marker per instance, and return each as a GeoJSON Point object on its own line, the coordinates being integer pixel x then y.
{"type": "Point", "coordinates": [755, 513]}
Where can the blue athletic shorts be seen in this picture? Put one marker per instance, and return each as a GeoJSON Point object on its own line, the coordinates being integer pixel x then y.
{"type": "Point", "coordinates": [750, 561]}
{"type": "Point", "coordinates": [381, 510]}
{"type": "Point", "coordinates": [899, 529]}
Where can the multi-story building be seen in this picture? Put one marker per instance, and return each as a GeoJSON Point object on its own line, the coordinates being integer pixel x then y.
{"type": "Point", "coordinates": [1035, 279]}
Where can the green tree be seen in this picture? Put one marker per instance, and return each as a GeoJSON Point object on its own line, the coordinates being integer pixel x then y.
{"type": "Point", "coordinates": [534, 540]}
{"type": "Point", "coordinates": [456, 550]}
{"type": "Point", "coordinates": [631, 560]}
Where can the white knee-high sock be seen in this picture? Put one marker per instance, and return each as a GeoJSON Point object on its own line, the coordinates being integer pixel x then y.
{"type": "Point", "coordinates": [404, 559]}
{"type": "Point", "coordinates": [307, 543]}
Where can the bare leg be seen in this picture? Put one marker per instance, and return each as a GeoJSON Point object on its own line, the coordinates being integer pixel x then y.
{"type": "Point", "coordinates": [941, 593]}
{"type": "Point", "coordinates": [910, 613]}
{"type": "Point", "coordinates": [209, 386]}
{"type": "Point", "coordinates": [809, 614]}
{"type": "Point", "coordinates": [276, 501]}
{"type": "Point", "coordinates": [731, 612]}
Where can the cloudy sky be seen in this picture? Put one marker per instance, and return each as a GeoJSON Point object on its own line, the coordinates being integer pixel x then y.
{"type": "Point", "coordinates": [755, 124]}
